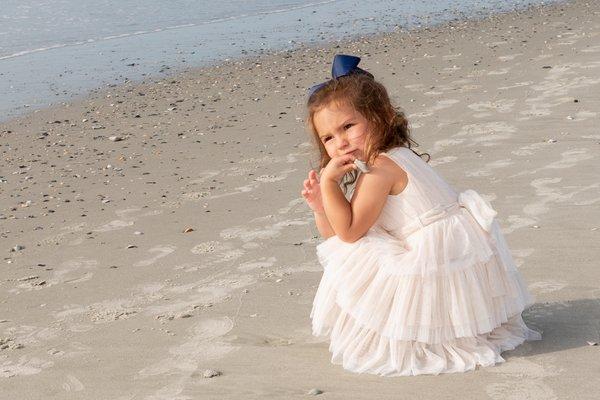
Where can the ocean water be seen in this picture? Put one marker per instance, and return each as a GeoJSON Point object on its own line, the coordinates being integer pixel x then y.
{"type": "Point", "coordinates": [55, 50]}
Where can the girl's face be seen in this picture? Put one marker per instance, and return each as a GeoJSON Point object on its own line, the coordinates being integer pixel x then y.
{"type": "Point", "coordinates": [341, 129]}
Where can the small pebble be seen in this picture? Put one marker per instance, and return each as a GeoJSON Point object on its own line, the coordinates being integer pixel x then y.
{"type": "Point", "coordinates": [535, 226]}
{"type": "Point", "coordinates": [115, 138]}
{"type": "Point", "coordinates": [188, 230]}
{"type": "Point", "coordinates": [551, 140]}
{"type": "Point", "coordinates": [315, 392]}
{"type": "Point", "coordinates": [592, 343]}
{"type": "Point", "coordinates": [211, 373]}
{"type": "Point", "coordinates": [131, 246]}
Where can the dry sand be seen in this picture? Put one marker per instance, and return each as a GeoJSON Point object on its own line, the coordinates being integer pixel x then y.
{"type": "Point", "coordinates": [109, 298]}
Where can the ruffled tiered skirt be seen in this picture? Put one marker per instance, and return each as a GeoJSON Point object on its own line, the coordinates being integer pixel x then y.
{"type": "Point", "coordinates": [444, 299]}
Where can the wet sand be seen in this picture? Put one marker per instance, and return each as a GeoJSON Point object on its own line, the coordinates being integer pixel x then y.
{"type": "Point", "coordinates": [152, 232]}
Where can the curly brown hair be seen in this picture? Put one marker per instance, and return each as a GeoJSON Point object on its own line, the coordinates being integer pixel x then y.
{"type": "Point", "coordinates": [388, 123]}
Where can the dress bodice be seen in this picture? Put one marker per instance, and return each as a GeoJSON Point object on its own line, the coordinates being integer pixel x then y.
{"type": "Point", "coordinates": [426, 190]}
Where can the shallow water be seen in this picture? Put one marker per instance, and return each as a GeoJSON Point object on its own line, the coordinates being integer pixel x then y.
{"type": "Point", "coordinates": [51, 51]}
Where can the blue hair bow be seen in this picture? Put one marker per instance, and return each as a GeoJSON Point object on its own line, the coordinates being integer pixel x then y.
{"type": "Point", "coordinates": [342, 65]}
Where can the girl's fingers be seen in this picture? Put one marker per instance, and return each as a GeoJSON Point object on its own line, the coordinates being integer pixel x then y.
{"type": "Point", "coordinates": [347, 157]}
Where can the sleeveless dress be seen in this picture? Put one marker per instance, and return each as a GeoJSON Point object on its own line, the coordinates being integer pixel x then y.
{"type": "Point", "coordinates": [431, 288]}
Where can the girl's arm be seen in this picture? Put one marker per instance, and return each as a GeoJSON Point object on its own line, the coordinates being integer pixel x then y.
{"type": "Point", "coordinates": [323, 225]}
{"type": "Point", "coordinates": [351, 221]}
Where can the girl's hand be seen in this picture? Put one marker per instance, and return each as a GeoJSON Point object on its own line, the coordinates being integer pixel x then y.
{"type": "Point", "coordinates": [312, 192]}
{"type": "Point", "coordinates": [338, 167]}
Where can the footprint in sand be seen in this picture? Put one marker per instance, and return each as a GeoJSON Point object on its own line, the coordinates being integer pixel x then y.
{"type": "Point", "coordinates": [296, 204]}
{"type": "Point", "coordinates": [509, 57]}
{"type": "Point", "coordinates": [442, 160]}
{"type": "Point", "coordinates": [203, 343]}
{"type": "Point", "coordinates": [127, 218]}
{"type": "Point", "coordinates": [591, 49]}
{"type": "Point", "coordinates": [528, 150]}
{"type": "Point", "coordinates": [501, 71]}
{"type": "Point", "coordinates": [248, 234]}
{"type": "Point", "coordinates": [161, 251]}
{"type": "Point", "coordinates": [556, 89]}
{"type": "Point", "coordinates": [113, 226]}
{"type": "Point", "coordinates": [547, 286]}
{"type": "Point", "coordinates": [569, 159]}
{"type": "Point", "coordinates": [73, 271]}
{"type": "Point", "coordinates": [547, 194]}
{"type": "Point", "coordinates": [517, 222]}
{"type": "Point", "coordinates": [255, 184]}
{"type": "Point", "coordinates": [72, 384]}
{"type": "Point", "coordinates": [522, 379]}
{"type": "Point", "coordinates": [501, 106]}
{"type": "Point", "coordinates": [516, 85]}
{"type": "Point", "coordinates": [553, 195]}
{"type": "Point", "coordinates": [486, 134]}
{"type": "Point", "coordinates": [441, 144]}
{"type": "Point", "coordinates": [257, 264]}
{"type": "Point", "coordinates": [439, 105]}
{"type": "Point", "coordinates": [203, 176]}
{"type": "Point", "coordinates": [24, 367]}
{"type": "Point", "coordinates": [583, 115]}
{"type": "Point", "coordinates": [415, 87]}
{"type": "Point", "coordinates": [452, 56]}
{"type": "Point", "coordinates": [487, 170]}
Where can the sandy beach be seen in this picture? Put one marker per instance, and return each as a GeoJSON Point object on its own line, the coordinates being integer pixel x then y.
{"type": "Point", "coordinates": [153, 232]}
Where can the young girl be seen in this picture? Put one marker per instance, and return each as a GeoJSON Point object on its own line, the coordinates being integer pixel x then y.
{"type": "Point", "coordinates": [418, 278]}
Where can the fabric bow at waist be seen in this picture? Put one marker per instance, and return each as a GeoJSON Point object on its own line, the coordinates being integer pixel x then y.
{"type": "Point", "coordinates": [477, 206]}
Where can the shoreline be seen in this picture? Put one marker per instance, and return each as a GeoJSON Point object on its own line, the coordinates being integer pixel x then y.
{"type": "Point", "coordinates": [132, 265]}
{"type": "Point", "coordinates": [181, 71]}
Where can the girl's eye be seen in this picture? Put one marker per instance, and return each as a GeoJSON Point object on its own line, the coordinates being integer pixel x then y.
{"type": "Point", "coordinates": [326, 139]}
{"type": "Point", "coordinates": [348, 126]}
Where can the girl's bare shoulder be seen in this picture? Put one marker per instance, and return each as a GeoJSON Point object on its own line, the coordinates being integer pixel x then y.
{"type": "Point", "coordinates": [396, 175]}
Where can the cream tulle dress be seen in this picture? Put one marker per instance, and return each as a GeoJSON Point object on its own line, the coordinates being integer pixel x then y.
{"type": "Point", "coordinates": [431, 288]}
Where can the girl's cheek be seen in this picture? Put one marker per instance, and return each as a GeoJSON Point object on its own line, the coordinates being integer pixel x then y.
{"type": "Point", "coordinates": [355, 135]}
{"type": "Point", "coordinates": [329, 148]}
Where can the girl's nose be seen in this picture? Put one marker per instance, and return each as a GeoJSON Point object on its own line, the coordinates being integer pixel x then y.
{"type": "Point", "coordinates": [344, 142]}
